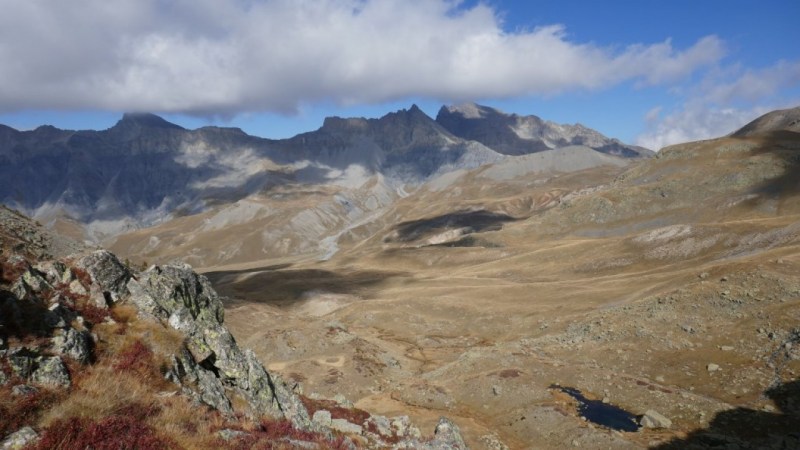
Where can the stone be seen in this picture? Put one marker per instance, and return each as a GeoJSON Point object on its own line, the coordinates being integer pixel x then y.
{"type": "Point", "coordinates": [381, 424]}
{"type": "Point", "coordinates": [652, 419]}
{"type": "Point", "coordinates": [51, 371]}
{"type": "Point", "coordinates": [77, 288]}
{"type": "Point", "coordinates": [75, 344]}
{"type": "Point", "coordinates": [448, 436]}
{"type": "Point", "coordinates": [346, 427]}
{"type": "Point", "coordinates": [726, 348]}
{"type": "Point", "coordinates": [711, 367]}
{"type": "Point", "coordinates": [106, 271]}
{"type": "Point", "coordinates": [228, 434]}
{"type": "Point", "coordinates": [343, 401]}
{"type": "Point", "coordinates": [23, 389]}
{"type": "Point", "coordinates": [322, 417]}
{"type": "Point", "coordinates": [22, 362]}
{"type": "Point", "coordinates": [19, 439]}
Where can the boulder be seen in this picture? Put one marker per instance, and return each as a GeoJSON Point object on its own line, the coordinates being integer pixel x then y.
{"type": "Point", "coordinates": [23, 389]}
{"type": "Point", "coordinates": [107, 272]}
{"type": "Point", "coordinates": [652, 419]}
{"type": "Point", "coordinates": [51, 371]}
{"type": "Point", "coordinates": [343, 426]}
{"type": "Point", "coordinates": [323, 418]}
{"type": "Point", "coordinates": [22, 362]}
{"type": "Point", "coordinates": [19, 439]}
{"type": "Point", "coordinates": [75, 344]}
{"type": "Point", "coordinates": [163, 290]}
{"type": "Point", "coordinates": [447, 436]}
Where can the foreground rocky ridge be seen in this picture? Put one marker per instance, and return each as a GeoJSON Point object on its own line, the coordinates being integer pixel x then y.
{"type": "Point", "coordinates": [66, 322]}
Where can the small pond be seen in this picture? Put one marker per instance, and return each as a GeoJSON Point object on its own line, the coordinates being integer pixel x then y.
{"type": "Point", "coordinates": [604, 414]}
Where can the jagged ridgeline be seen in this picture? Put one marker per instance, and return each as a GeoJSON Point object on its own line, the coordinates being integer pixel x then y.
{"type": "Point", "coordinates": [94, 354]}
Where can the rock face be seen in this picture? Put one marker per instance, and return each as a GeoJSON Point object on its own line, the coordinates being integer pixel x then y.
{"type": "Point", "coordinates": [511, 134]}
{"type": "Point", "coordinates": [212, 363]}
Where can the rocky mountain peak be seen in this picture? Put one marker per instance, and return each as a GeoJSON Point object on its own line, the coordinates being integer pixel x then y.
{"type": "Point", "coordinates": [512, 134]}
{"type": "Point", "coordinates": [145, 120]}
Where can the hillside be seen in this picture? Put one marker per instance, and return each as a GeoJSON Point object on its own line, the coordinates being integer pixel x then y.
{"type": "Point", "coordinates": [94, 354]}
{"type": "Point", "coordinates": [668, 285]}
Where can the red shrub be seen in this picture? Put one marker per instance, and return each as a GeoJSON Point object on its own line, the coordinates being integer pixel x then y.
{"type": "Point", "coordinates": [352, 415]}
{"type": "Point", "coordinates": [19, 411]}
{"type": "Point", "coordinates": [136, 357]}
{"type": "Point", "coordinates": [94, 314]}
{"type": "Point", "coordinates": [114, 432]}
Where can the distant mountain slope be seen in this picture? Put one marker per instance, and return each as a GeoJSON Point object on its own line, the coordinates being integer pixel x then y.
{"type": "Point", "coordinates": [783, 119]}
{"type": "Point", "coordinates": [511, 134]}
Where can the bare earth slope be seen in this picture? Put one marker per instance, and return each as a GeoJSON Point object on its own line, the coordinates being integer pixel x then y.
{"type": "Point", "coordinates": [668, 285]}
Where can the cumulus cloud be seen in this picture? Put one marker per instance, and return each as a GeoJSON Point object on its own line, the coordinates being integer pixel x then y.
{"type": "Point", "coordinates": [724, 101]}
{"type": "Point", "coordinates": [227, 57]}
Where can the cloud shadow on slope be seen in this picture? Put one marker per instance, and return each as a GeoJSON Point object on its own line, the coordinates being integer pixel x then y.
{"type": "Point", "coordinates": [287, 287]}
{"type": "Point", "coordinates": [786, 146]}
{"type": "Point", "coordinates": [749, 428]}
{"type": "Point", "coordinates": [474, 221]}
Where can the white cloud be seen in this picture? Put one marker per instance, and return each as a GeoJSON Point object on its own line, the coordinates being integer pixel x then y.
{"type": "Point", "coordinates": [724, 101]}
{"type": "Point", "coordinates": [227, 57]}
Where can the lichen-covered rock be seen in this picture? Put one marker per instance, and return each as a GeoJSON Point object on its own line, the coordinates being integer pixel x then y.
{"type": "Point", "coordinates": [212, 392]}
{"type": "Point", "coordinates": [51, 371]}
{"type": "Point", "coordinates": [447, 436]}
{"type": "Point", "coordinates": [256, 388]}
{"type": "Point", "coordinates": [55, 272]}
{"type": "Point", "coordinates": [22, 362]}
{"type": "Point", "coordinates": [19, 439]}
{"type": "Point", "coordinates": [107, 272]}
{"type": "Point", "coordinates": [322, 417]}
{"type": "Point", "coordinates": [23, 389]}
{"type": "Point", "coordinates": [343, 426]}
{"type": "Point", "coordinates": [175, 294]}
{"type": "Point", "coordinates": [229, 434]}
{"type": "Point", "coordinates": [163, 290]}
{"type": "Point", "coordinates": [75, 344]}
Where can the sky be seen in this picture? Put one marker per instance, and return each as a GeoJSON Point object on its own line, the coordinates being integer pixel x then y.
{"type": "Point", "coordinates": [648, 72]}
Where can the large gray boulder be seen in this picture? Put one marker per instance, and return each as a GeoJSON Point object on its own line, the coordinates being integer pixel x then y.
{"type": "Point", "coordinates": [107, 272]}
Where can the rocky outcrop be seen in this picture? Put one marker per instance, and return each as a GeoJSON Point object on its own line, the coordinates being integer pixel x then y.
{"type": "Point", "coordinates": [213, 366]}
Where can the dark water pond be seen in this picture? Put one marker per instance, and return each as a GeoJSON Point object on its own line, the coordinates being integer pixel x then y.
{"type": "Point", "coordinates": [604, 414]}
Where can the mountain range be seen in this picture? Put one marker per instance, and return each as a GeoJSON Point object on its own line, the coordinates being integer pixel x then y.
{"type": "Point", "coordinates": [145, 170]}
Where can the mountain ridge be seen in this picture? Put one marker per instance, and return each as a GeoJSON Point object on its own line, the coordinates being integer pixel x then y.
{"type": "Point", "coordinates": [144, 169]}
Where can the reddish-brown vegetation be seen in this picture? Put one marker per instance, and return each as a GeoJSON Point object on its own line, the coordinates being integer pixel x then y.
{"type": "Point", "coordinates": [110, 433]}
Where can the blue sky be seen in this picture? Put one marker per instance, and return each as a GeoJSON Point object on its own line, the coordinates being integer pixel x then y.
{"type": "Point", "coordinates": [647, 72]}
